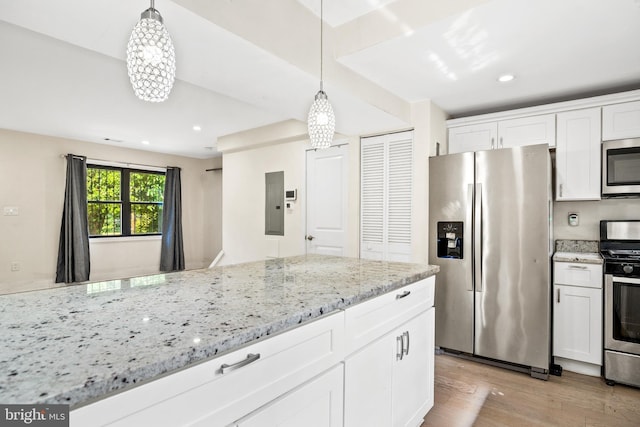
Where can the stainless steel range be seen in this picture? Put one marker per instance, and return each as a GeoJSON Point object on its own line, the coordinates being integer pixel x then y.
{"type": "Point", "coordinates": [620, 247]}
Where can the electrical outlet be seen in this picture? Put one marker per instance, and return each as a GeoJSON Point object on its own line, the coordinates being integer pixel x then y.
{"type": "Point", "coordinates": [15, 266]}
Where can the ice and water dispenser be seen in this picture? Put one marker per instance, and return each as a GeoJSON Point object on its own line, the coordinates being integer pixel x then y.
{"type": "Point", "coordinates": [450, 240]}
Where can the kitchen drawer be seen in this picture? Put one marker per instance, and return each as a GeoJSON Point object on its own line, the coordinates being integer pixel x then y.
{"type": "Point", "coordinates": [203, 395]}
{"type": "Point", "coordinates": [372, 319]}
{"type": "Point", "coordinates": [578, 274]}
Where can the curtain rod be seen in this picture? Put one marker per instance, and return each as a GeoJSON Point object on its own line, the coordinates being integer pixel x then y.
{"type": "Point", "coordinates": [121, 164]}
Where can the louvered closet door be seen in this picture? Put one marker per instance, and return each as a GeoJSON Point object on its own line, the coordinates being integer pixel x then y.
{"type": "Point", "coordinates": [386, 190]}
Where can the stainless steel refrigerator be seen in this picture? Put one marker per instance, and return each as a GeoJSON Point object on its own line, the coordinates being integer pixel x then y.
{"type": "Point", "coordinates": [490, 232]}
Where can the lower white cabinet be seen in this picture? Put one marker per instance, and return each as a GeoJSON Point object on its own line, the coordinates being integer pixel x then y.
{"type": "Point", "coordinates": [373, 361]}
{"type": "Point", "coordinates": [390, 381]}
{"type": "Point", "coordinates": [317, 403]}
{"type": "Point", "coordinates": [577, 318]}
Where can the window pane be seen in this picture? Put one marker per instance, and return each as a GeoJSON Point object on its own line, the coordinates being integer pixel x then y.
{"type": "Point", "coordinates": [146, 218]}
{"type": "Point", "coordinates": [146, 187]}
{"type": "Point", "coordinates": [103, 184]}
{"type": "Point", "coordinates": [104, 219]}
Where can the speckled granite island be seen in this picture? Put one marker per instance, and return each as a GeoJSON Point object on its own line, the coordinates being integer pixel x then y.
{"type": "Point", "coordinates": [78, 344]}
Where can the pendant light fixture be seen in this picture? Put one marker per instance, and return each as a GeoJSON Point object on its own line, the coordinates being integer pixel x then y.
{"type": "Point", "coordinates": [151, 60]}
{"type": "Point", "coordinates": [321, 121]}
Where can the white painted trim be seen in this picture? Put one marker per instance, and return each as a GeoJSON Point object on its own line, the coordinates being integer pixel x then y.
{"type": "Point", "coordinates": [120, 239]}
{"type": "Point", "coordinates": [596, 101]}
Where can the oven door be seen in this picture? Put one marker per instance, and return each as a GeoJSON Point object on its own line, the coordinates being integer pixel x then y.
{"type": "Point", "coordinates": [622, 314]}
{"type": "Point", "coordinates": [621, 167]}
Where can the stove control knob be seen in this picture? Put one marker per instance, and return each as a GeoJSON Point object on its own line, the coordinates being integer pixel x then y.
{"type": "Point", "coordinates": [627, 268]}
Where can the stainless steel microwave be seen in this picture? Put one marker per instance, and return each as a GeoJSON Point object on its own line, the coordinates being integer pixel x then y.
{"type": "Point", "coordinates": [621, 168]}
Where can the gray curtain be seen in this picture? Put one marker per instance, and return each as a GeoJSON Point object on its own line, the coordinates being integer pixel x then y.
{"type": "Point", "coordinates": [73, 249]}
{"type": "Point", "coordinates": [172, 252]}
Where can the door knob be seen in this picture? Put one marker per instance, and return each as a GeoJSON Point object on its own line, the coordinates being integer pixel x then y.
{"type": "Point", "coordinates": [310, 237]}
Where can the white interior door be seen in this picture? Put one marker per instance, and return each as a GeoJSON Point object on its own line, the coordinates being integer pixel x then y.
{"type": "Point", "coordinates": [327, 200]}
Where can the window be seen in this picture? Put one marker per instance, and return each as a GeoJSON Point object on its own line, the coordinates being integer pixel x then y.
{"type": "Point", "coordinates": [124, 202]}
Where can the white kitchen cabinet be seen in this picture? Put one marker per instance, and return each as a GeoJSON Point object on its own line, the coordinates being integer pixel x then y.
{"type": "Point", "coordinates": [389, 374]}
{"type": "Point", "coordinates": [390, 382]}
{"type": "Point", "coordinates": [222, 390]}
{"type": "Point", "coordinates": [413, 381]}
{"type": "Point", "coordinates": [527, 131]}
{"type": "Point", "coordinates": [298, 378]}
{"type": "Point", "coordinates": [578, 155]}
{"type": "Point", "coordinates": [620, 121]}
{"type": "Point", "coordinates": [577, 317]}
{"type": "Point", "coordinates": [317, 403]}
{"type": "Point", "coordinates": [478, 137]}
{"type": "Point", "coordinates": [503, 134]}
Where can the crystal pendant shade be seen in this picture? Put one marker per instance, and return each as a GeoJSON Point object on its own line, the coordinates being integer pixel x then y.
{"type": "Point", "coordinates": [321, 122]}
{"type": "Point", "coordinates": [151, 60]}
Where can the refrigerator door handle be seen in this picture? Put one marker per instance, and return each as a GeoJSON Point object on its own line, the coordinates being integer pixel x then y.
{"type": "Point", "coordinates": [469, 220]}
{"type": "Point", "coordinates": [477, 239]}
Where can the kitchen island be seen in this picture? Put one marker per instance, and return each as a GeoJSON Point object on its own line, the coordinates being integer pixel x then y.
{"type": "Point", "coordinates": [79, 344]}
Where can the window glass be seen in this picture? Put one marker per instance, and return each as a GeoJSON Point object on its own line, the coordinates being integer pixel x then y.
{"type": "Point", "coordinates": [116, 194]}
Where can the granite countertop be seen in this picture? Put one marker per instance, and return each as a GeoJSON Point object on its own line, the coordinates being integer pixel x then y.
{"type": "Point", "coordinates": [76, 344]}
{"type": "Point", "coordinates": [581, 257]}
{"type": "Point", "coordinates": [582, 251]}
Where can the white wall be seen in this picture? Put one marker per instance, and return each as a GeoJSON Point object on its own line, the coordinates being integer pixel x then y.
{"type": "Point", "coordinates": [244, 193]}
{"type": "Point", "coordinates": [32, 178]}
{"type": "Point", "coordinates": [243, 206]}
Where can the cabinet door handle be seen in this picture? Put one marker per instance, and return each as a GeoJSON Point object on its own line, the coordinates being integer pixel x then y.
{"type": "Point", "coordinates": [558, 296]}
{"type": "Point", "coordinates": [492, 142]}
{"type": "Point", "coordinates": [560, 190]}
{"type": "Point", "coordinates": [501, 143]}
{"type": "Point", "coordinates": [406, 333]}
{"type": "Point", "coordinates": [402, 295]}
{"type": "Point", "coordinates": [250, 359]}
{"type": "Point", "coordinates": [400, 346]}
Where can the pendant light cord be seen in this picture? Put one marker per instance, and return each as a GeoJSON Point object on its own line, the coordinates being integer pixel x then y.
{"type": "Point", "coordinates": [321, 14]}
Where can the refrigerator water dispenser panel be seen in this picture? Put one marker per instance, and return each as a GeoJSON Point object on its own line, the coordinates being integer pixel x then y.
{"type": "Point", "coordinates": [450, 240]}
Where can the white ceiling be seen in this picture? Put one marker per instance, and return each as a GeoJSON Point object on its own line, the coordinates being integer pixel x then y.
{"type": "Point", "coordinates": [243, 64]}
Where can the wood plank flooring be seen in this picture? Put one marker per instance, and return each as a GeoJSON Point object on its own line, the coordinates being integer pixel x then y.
{"type": "Point", "coordinates": [474, 394]}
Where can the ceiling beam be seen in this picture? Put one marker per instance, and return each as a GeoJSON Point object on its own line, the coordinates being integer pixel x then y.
{"type": "Point", "coordinates": [292, 33]}
{"type": "Point", "coordinates": [397, 19]}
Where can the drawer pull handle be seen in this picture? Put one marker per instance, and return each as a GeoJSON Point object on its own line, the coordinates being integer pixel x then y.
{"type": "Point", "coordinates": [578, 267]}
{"type": "Point", "coordinates": [250, 359]}
{"type": "Point", "coordinates": [400, 347]}
{"type": "Point", "coordinates": [402, 295]}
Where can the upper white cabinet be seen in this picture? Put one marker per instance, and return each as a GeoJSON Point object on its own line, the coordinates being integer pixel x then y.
{"type": "Point", "coordinates": [620, 121]}
{"type": "Point", "coordinates": [578, 155]}
{"type": "Point", "coordinates": [473, 137]}
{"type": "Point", "coordinates": [503, 134]}
{"type": "Point", "coordinates": [527, 131]}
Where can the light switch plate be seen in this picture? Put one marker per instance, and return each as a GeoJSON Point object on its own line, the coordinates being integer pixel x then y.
{"type": "Point", "coordinates": [11, 211]}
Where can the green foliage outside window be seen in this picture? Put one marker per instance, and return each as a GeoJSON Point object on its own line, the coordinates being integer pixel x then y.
{"type": "Point", "coordinates": [117, 193]}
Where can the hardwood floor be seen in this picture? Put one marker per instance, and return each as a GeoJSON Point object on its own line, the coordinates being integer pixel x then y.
{"type": "Point", "coordinates": [474, 394]}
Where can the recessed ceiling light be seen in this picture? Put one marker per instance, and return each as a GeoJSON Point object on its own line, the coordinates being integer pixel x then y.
{"type": "Point", "coordinates": [145, 142]}
{"type": "Point", "coordinates": [506, 78]}
{"type": "Point", "coordinates": [197, 128]}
